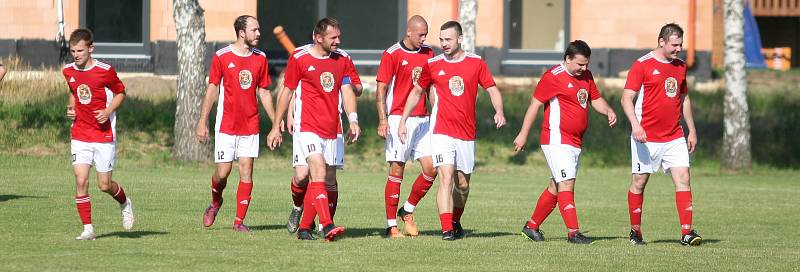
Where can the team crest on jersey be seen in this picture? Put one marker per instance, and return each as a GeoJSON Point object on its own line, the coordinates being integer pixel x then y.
{"type": "Point", "coordinates": [456, 85]}
{"type": "Point", "coordinates": [583, 97]}
{"type": "Point", "coordinates": [84, 94]}
{"type": "Point", "coordinates": [326, 80]}
{"type": "Point", "coordinates": [671, 85]}
{"type": "Point", "coordinates": [415, 74]}
{"type": "Point", "coordinates": [245, 79]}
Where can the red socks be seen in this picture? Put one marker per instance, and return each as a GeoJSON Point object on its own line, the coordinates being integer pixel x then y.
{"type": "Point", "coordinates": [84, 205]}
{"type": "Point", "coordinates": [216, 191]}
{"type": "Point", "coordinates": [683, 201]}
{"type": "Point", "coordinates": [457, 212]}
{"type": "Point", "coordinates": [119, 196]}
{"type": "Point", "coordinates": [447, 221]}
{"type": "Point", "coordinates": [635, 210]}
{"type": "Point", "coordinates": [391, 196]}
{"type": "Point", "coordinates": [298, 193]}
{"type": "Point", "coordinates": [566, 204]}
{"type": "Point", "coordinates": [242, 200]}
{"type": "Point", "coordinates": [317, 197]}
{"type": "Point", "coordinates": [333, 198]}
{"type": "Point", "coordinates": [421, 186]}
{"type": "Point", "coordinates": [544, 206]}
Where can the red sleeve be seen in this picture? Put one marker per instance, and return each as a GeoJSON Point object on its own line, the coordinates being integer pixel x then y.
{"type": "Point", "coordinates": [684, 87]}
{"type": "Point", "coordinates": [485, 76]}
{"type": "Point", "coordinates": [291, 76]}
{"type": "Point", "coordinates": [544, 89]}
{"type": "Point", "coordinates": [215, 73]}
{"type": "Point", "coordinates": [635, 77]}
{"type": "Point", "coordinates": [594, 93]}
{"type": "Point", "coordinates": [424, 80]}
{"type": "Point", "coordinates": [66, 79]}
{"type": "Point", "coordinates": [265, 80]}
{"type": "Point", "coordinates": [113, 83]}
{"type": "Point", "coordinates": [386, 68]}
{"type": "Point", "coordinates": [352, 73]}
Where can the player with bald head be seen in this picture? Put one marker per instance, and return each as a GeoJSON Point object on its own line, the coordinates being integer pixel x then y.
{"type": "Point", "coordinates": [400, 67]}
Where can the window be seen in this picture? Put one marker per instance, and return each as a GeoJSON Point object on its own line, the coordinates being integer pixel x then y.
{"type": "Point", "coordinates": [537, 25]}
{"type": "Point", "coordinates": [115, 21]}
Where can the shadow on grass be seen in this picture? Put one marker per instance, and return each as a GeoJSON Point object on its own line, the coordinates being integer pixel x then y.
{"type": "Point", "coordinates": [132, 234]}
{"type": "Point", "coordinates": [704, 241]}
{"type": "Point", "coordinates": [363, 232]}
{"type": "Point", "coordinates": [4, 198]}
{"type": "Point", "coordinates": [268, 227]}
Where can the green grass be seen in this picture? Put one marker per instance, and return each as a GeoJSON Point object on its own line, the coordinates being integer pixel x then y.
{"type": "Point", "coordinates": [747, 222]}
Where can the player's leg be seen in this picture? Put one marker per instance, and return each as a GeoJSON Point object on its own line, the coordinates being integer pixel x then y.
{"type": "Point", "coordinates": [396, 156]}
{"type": "Point", "coordinates": [391, 197]}
{"type": "Point", "coordinates": [83, 203]}
{"type": "Point", "coordinates": [244, 192]}
{"type": "Point", "coordinates": [676, 163]}
{"type": "Point", "coordinates": [224, 154]}
{"type": "Point", "coordinates": [421, 145]}
{"type": "Point", "coordinates": [569, 211]}
{"type": "Point", "coordinates": [641, 167]}
{"type": "Point", "coordinates": [314, 148]}
{"type": "Point", "coordinates": [299, 185]}
{"type": "Point", "coordinates": [104, 157]}
{"type": "Point", "coordinates": [444, 200]}
{"type": "Point", "coordinates": [332, 187]}
{"type": "Point", "coordinates": [460, 195]}
{"type": "Point", "coordinates": [544, 206]}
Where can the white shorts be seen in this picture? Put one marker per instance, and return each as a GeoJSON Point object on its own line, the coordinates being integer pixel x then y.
{"type": "Point", "coordinates": [297, 154]}
{"type": "Point", "coordinates": [563, 161]}
{"type": "Point", "coordinates": [102, 154]}
{"type": "Point", "coordinates": [228, 148]}
{"type": "Point", "coordinates": [452, 151]}
{"type": "Point", "coordinates": [418, 144]}
{"type": "Point", "coordinates": [647, 157]}
{"type": "Point", "coordinates": [310, 143]}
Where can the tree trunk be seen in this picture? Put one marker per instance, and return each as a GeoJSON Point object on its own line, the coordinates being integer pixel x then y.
{"type": "Point", "coordinates": [467, 15]}
{"type": "Point", "coordinates": [736, 133]}
{"type": "Point", "coordinates": [191, 36]}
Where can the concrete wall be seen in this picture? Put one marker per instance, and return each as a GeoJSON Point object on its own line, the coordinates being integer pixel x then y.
{"type": "Point", "coordinates": [489, 22]}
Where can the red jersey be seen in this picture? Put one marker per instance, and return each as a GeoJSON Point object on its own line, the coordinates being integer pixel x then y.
{"type": "Point", "coordinates": [400, 68]}
{"type": "Point", "coordinates": [238, 77]}
{"type": "Point", "coordinates": [317, 84]}
{"type": "Point", "coordinates": [93, 89]}
{"type": "Point", "coordinates": [566, 101]}
{"type": "Point", "coordinates": [456, 84]}
{"type": "Point", "coordinates": [658, 103]}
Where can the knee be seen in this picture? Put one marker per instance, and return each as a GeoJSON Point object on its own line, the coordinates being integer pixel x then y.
{"type": "Point", "coordinates": [104, 186]}
{"type": "Point", "coordinates": [430, 171]}
{"type": "Point", "coordinates": [639, 181]}
{"type": "Point", "coordinates": [462, 187]}
{"type": "Point", "coordinates": [396, 169]}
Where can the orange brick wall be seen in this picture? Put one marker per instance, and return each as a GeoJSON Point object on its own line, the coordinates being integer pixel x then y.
{"type": "Point", "coordinates": [219, 17]}
{"type": "Point", "coordinates": [635, 23]}
{"type": "Point", "coordinates": [35, 19]}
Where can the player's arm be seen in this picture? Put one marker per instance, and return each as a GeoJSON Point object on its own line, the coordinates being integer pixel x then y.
{"type": "Point", "coordinates": [527, 123]}
{"type": "Point", "coordinates": [290, 117]}
{"type": "Point", "coordinates": [201, 131]}
{"type": "Point", "coordinates": [103, 115]}
{"type": "Point", "coordinates": [411, 101]}
{"type": "Point", "coordinates": [497, 104]}
{"type": "Point", "coordinates": [691, 139]}
{"type": "Point", "coordinates": [265, 96]}
{"type": "Point", "coordinates": [601, 106]}
{"type": "Point", "coordinates": [275, 138]}
{"type": "Point", "coordinates": [71, 108]}
{"type": "Point", "coordinates": [627, 106]}
{"type": "Point", "coordinates": [350, 107]}
{"type": "Point", "coordinates": [380, 102]}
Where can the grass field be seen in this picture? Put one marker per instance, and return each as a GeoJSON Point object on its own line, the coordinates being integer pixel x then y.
{"type": "Point", "coordinates": [747, 222]}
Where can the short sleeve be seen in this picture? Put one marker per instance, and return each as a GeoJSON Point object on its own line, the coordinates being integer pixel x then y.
{"type": "Point", "coordinates": [385, 69]}
{"type": "Point", "coordinates": [215, 72]}
{"type": "Point", "coordinates": [485, 77]}
{"type": "Point", "coordinates": [635, 77]}
{"type": "Point", "coordinates": [424, 80]}
{"type": "Point", "coordinates": [545, 89]}
{"type": "Point", "coordinates": [265, 79]}
{"type": "Point", "coordinates": [291, 76]}
{"type": "Point", "coordinates": [594, 93]}
{"type": "Point", "coordinates": [352, 73]}
{"type": "Point", "coordinates": [113, 83]}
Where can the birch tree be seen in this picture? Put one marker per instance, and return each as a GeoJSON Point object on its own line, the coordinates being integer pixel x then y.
{"type": "Point", "coordinates": [191, 36]}
{"type": "Point", "coordinates": [736, 152]}
{"type": "Point", "coordinates": [467, 15]}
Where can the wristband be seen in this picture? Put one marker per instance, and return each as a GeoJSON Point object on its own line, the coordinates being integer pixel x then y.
{"type": "Point", "coordinates": [353, 117]}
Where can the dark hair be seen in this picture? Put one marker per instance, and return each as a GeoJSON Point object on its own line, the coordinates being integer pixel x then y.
{"type": "Point", "coordinates": [671, 29]}
{"type": "Point", "coordinates": [323, 24]}
{"type": "Point", "coordinates": [453, 24]}
{"type": "Point", "coordinates": [241, 23]}
{"type": "Point", "coordinates": [81, 34]}
{"type": "Point", "coordinates": [577, 47]}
